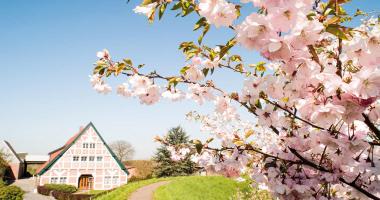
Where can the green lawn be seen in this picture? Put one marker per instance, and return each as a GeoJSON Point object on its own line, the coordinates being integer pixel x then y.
{"type": "Point", "coordinates": [198, 188]}
{"type": "Point", "coordinates": [192, 188]}
{"type": "Point", "coordinates": [126, 190]}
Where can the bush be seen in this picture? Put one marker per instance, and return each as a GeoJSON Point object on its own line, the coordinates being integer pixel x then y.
{"type": "Point", "coordinates": [69, 196]}
{"type": "Point", "coordinates": [43, 190]}
{"type": "Point", "coordinates": [61, 195]}
{"type": "Point", "coordinates": [2, 183]}
{"type": "Point", "coordinates": [144, 169]}
{"type": "Point", "coordinates": [61, 187]}
{"type": "Point", "coordinates": [11, 193]}
{"type": "Point", "coordinates": [81, 196]}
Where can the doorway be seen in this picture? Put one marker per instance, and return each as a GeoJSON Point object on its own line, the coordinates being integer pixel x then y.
{"type": "Point", "coordinates": [86, 182]}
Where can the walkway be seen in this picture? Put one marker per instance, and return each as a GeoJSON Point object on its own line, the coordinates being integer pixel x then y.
{"type": "Point", "coordinates": [27, 185]}
{"type": "Point", "coordinates": [146, 192]}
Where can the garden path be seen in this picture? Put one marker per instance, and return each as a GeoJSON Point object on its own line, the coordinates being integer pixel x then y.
{"type": "Point", "coordinates": [28, 185]}
{"type": "Point", "coordinates": [146, 192]}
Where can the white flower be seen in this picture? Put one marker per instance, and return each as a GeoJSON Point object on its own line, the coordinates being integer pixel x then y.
{"type": "Point", "coordinates": [173, 94]}
{"type": "Point", "coordinates": [151, 95]}
{"type": "Point", "coordinates": [194, 74]}
{"type": "Point", "coordinates": [146, 10]}
{"type": "Point", "coordinates": [123, 90]}
{"type": "Point", "coordinates": [103, 54]}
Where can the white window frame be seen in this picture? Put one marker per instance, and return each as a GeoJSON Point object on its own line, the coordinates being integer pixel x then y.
{"type": "Point", "coordinates": [115, 180]}
{"type": "Point", "coordinates": [62, 180]}
{"type": "Point", "coordinates": [107, 180]}
{"type": "Point", "coordinates": [75, 158]}
{"type": "Point", "coordinates": [54, 180]}
{"type": "Point", "coordinates": [83, 158]}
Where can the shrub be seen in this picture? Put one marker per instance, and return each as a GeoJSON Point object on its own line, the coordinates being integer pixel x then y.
{"type": "Point", "coordinates": [11, 193]}
{"type": "Point", "coordinates": [43, 190]}
{"type": "Point", "coordinates": [61, 187]}
{"type": "Point", "coordinates": [61, 195]}
{"type": "Point", "coordinates": [2, 183]}
{"type": "Point", "coordinates": [143, 169]}
{"type": "Point", "coordinates": [81, 196]}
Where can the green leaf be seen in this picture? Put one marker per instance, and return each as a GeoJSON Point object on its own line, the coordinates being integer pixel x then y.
{"type": "Point", "coordinates": [198, 145]}
{"type": "Point", "coordinates": [146, 2]}
{"type": "Point", "coordinates": [128, 62]}
{"type": "Point", "coordinates": [339, 31]}
{"type": "Point", "coordinates": [162, 10]}
{"type": "Point", "coordinates": [227, 47]}
{"type": "Point", "coordinates": [360, 12]}
{"type": "Point", "coordinates": [184, 69]}
{"type": "Point", "coordinates": [205, 30]}
{"type": "Point", "coordinates": [236, 58]}
{"type": "Point", "coordinates": [177, 6]}
{"type": "Point", "coordinates": [201, 22]}
{"type": "Point", "coordinates": [209, 140]}
{"type": "Point", "coordinates": [258, 104]}
{"type": "Point", "coordinates": [205, 71]}
{"type": "Point", "coordinates": [120, 68]}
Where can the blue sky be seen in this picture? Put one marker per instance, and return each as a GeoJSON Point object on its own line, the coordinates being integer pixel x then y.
{"type": "Point", "coordinates": [47, 48]}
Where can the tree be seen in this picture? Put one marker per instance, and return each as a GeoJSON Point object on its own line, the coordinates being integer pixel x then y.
{"type": "Point", "coordinates": [314, 99]}
{"type": "Point", "coordinates": [4, 157]}
{"type": "Point", "coordinates": [166, 165]}
{"type": "Point", "coordinates": [123, 150]}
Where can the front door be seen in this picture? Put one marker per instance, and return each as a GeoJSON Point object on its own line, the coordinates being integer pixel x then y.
{"type": "Point", "coordinates": [85, 182]}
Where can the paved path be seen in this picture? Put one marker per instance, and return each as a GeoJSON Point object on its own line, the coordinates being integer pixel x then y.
{"type": "Point", "coordinates": [146, 192]}
{"type": "Point", "coordinates": [28, 185]}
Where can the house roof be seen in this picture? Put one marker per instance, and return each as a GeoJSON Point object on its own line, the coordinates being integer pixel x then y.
{"type": "Point", "coordinates": [56, 154]}
{"type": "Point", "coordinates": [11, 150]}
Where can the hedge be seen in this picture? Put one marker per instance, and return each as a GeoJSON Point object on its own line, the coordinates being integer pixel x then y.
{"type": "Point", "coordinates": [61, 187]}
{"type": "Point", "coordinates": [11, 193]}
{"type": "Point", "coordinates": [62, 192]}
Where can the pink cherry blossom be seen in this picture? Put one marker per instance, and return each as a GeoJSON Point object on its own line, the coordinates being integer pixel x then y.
{"type": "Point", "coordinates": [218, 12]}
{"type": "Point", "coordinates": [173, 94]}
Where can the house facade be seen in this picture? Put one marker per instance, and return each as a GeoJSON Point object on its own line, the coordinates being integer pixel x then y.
{"type": "Point", "coordinates": [85, 161]}
{"type": "Point", "coordinates": [16, 165]}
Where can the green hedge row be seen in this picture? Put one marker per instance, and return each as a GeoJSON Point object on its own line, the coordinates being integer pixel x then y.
{"type": "Point", "coordinates": [61, 187]}
{"type": "Point", "coordinates": [11, 193]}
{"type": "Point", "coordinates": [62, 192]}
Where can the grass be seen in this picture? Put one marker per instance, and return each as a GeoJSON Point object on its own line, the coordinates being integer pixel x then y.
{"type": "Point", "coordinates": [198, 188]}
{"type": "Point", "coordinates": [94, 192]}
{"type": "Point", "coordinates": [192, 188]}
{"type": "Point", "coordinates": [126, 190]}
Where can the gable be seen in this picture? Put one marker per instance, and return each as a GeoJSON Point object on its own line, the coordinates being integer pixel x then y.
{"type": "Point", "coordinates": [10, 154]}
{"type": "Point", "coordinates": [74, 142]}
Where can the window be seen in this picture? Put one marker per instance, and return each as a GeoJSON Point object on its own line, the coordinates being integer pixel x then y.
{"type": "Point", "coordinates": [85, 145]}
{"type": "Point", "coordinates": [115, 180]}
{"type": "Point", "coordinates": [107, 180]}
{"type": "Point", "coordinates": [62, 180]}
{"type": "Point", "coordinates": [54, 180]}
{"type": "Point", "coordinates": [99, 158]}
{"type": "Point", "coordinates": [92, 145]}
{"type": "Point", "coordinates": [91, 158]}
{"type": "Point", "coordinates": [83, 158]}
{"type": "Point", "coordinates": [75, 158]}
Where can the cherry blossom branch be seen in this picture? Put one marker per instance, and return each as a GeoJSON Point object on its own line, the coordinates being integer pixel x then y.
{"type": "Point", "coordinates": [371, 126]}
{"type": "Point", "coordinates": [360, 189]}
{"type": "Point", "coordinates": [321, 168]}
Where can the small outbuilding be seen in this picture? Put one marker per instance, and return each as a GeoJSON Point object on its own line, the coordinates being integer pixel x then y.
{"type": "Point", "coordinates": [16, 165]}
